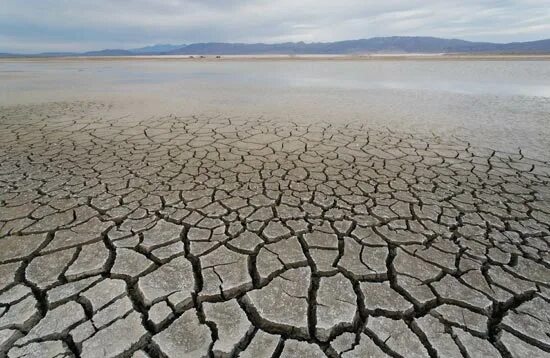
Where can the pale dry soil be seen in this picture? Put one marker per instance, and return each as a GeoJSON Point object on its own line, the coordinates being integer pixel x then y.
{"type": "Point", "coordinates": [168, 236]}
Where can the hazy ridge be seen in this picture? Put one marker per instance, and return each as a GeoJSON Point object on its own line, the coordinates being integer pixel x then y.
{"type": "Point", "coordinates": [390, 45]}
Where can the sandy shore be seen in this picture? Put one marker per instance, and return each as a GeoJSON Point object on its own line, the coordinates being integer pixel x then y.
{"type": "Point", "coordinates": [125, 234]}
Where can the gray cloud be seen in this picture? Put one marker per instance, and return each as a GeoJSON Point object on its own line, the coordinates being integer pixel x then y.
{"type": "Point", "coordinates": [65, 25]}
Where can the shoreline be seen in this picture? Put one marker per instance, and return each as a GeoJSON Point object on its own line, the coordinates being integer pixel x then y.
{"type": "Point", "coordinates": [369, 57]}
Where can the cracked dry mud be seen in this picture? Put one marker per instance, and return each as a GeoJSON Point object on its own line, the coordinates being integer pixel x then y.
{"type": "Point", "coordinates": [206, 236]}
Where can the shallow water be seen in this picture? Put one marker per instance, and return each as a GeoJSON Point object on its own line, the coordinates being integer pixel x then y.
{"type": "Point", "coordinates": [504, 105]}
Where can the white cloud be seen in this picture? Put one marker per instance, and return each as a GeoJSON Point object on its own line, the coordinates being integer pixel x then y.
{"type": "Point", "coordinates": [47, 25]}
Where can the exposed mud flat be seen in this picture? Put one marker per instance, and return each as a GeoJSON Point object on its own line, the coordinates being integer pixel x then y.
{"type": "Point", "coordinates": [138, 233]}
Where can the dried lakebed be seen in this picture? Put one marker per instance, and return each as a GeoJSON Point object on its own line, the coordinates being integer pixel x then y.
{"type": "Point", "coordinates": [190, 237]}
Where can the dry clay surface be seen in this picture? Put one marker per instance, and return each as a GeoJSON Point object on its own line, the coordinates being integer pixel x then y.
{"type": "Point", "coordinates": [209, 236]}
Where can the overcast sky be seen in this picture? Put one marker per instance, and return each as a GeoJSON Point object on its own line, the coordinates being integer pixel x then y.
{"type": "Point", "coordinates": [78, 25]}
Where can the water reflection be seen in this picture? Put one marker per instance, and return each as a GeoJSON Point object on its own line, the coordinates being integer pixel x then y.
{"type": "Point", "coordinates": [526, 78]}
{"type": "Point", "coordinates": [462, 87]}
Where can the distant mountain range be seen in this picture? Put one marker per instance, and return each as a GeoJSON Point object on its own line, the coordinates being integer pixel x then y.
{"type": "Point", "coordinates": [375, 45]}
